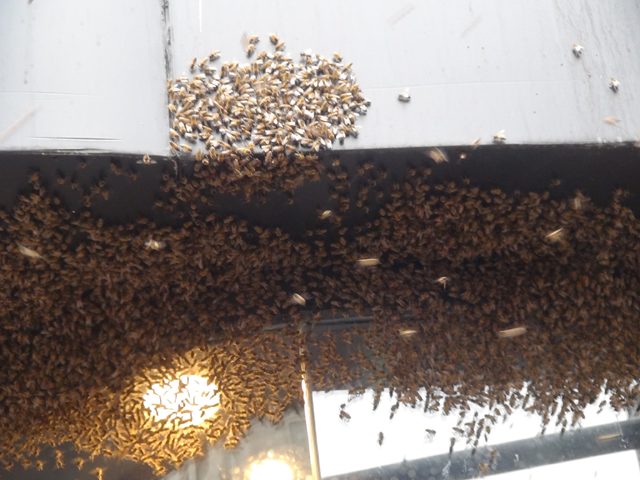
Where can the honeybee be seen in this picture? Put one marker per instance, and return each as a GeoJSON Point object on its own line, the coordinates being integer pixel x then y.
{"type": "Point", "coordinates": [500, 137]}
{"type": "Point", "coordinates": [555, 235]}
{"type": "Point", "coordinates": [368, 262]}
{"type": "Point", "coordinates": [28, 252]}
{"type": "Point", "coordinates": [512, 332]}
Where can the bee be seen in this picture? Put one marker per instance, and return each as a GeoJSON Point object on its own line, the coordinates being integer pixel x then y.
{"type": "Point", "coordinates": [380, 438]}
{"type": "Point", "coordinates": [577, 50]}
{"type": "Point", "coordinates": [368, 262]}
{"type": "Point", "coordinates": [556, 235]}
{"type": "Point", "coordinates": [192, 66]}
{"type": "Point", "coordinates": [512, 332]}
{"type": "Point", "coordinates": [437, 155]}
{"type": "Point", "coordinates": [500, 137]}
{"type": "Point", "coordinates": [279, 47]}
{"type": "Point", "coordinates": [146, 160]}
{"type": "Point", "coordinates": [214, 55]}
{"type": "Point", "coordinates": [28, 252]}
{"type": "Point", "coordinates": [611, 120]}
{"type": "Point", "coordinates": [98, 472]}
{"type": "Point", "coordinates": [343, 414]}
{"type": "Point", "coordinates": [154, 244]}
{"type": "Point", "coordinates": [39, 465]}
{"type": "Point", "coordinates": [337, 57]}
{"type": "Point", "coordinates": [59, 456]}
{"type": "Point", "coordinates": [407, 332]}
{"type": "Point", "coordinates": [614, 85]}
{"type": "Point", "coordinates": [444, 281]}
{"type": "Point", "coordinates": [251, 48]}
{"type": "Point", "coordinates": [253, 39]}
{"type": "Point", "coordinates": [298, 299]}
{"type": "Point", "coordinates": [326, 214]}
{"type": "Point", "coordinates": [274, 39]}
{"type": "Point", "coordinates": [404, 96]}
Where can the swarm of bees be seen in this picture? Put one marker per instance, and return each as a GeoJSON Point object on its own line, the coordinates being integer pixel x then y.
{"type": "Point", "coordinates": [274, 105]}
{"type": "Point", "coordinates": [473, 297]}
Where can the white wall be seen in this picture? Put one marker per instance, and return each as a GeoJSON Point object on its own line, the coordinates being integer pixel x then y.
{"type": "Point", "coordinates": [91, 73]}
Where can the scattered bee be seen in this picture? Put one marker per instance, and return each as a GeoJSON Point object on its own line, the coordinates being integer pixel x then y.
{"type": "Point", "coordinates": [444, 281]}
{"type": "Point", "coordinates": [368, 262]}
{"type": "Point", "coordinates": [59, 456]}
{"type": "Point", "coordinates": [146, 160]}
{"type": "Point", "coordinates": [98, 473]}
{"type": "Point", "coordinates": [28, 252]}
{"type": "Point", "coordinates": [437, 155]}
{"type": "Point", "coordinates": [407, 332]}
{"type": "Point", "coordinates": [79, 462]}
{"type": "Point", "coordinates": [556, 235]}
{"type": "Point", "coordinates": [611, 120]}
{"type": "Point", "coordinates": [380, 438]}
{"type": "Point", "coordinates": [325, 214]}
{"type": "Point", "coordinates": [343, 414]}
{"type": "Point", "coordinates": [404, 96]}
{"type": "Point", "coordinates": [192, 66]}
{"type": "Point", "coordinates": [274, 39]}
{"type": "Point", "coordinates": [512, 332]}
{"type": "Point", "coordinates": [298, 299]}
{"type": "Point", "coordinates": [500, 137]}
{"type": "Point", "coordinates": [152, 244]}
{"type": "Point", "coordinates": [577, 50]}
{"type": "Point", "coordinates": [614, 85]}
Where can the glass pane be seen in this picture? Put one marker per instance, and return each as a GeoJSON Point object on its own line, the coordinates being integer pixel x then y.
{"type": "Point", "coordinates": [452, 431]}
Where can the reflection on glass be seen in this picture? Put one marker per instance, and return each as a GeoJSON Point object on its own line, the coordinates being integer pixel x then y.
{"type": "Point", "coordinates": [271, 467]}
{"type": "Point", "coordinates": [412, 434]}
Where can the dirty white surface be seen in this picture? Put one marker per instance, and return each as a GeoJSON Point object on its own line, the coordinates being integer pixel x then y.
{"type": "Point", "coordinates": [82, 75]}
{"type": "Point", "coordinates": [473, 67]}
{"type": "Point", "coordinates": [91, 75]}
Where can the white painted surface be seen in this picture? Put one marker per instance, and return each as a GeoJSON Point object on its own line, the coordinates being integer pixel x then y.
{"type": "Point", "coordinates": [80, 74]}
{"type": "Point", "coordinates": [473, 66]}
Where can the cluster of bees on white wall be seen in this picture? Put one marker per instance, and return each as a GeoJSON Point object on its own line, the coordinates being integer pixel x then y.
{"type": "Point", "coordinates": [227, 112]}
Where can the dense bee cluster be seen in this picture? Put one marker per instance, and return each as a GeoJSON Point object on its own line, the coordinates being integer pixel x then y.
{"type": "Point", "coordinates": [273, 105]}
{"type": "Point", "coordinates": [471, 294]}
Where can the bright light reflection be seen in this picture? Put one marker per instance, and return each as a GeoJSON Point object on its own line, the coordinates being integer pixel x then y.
{"type": "Point", "coordinates": [189, 399]}
{"type": "Point", "coordinates": [270, 468]}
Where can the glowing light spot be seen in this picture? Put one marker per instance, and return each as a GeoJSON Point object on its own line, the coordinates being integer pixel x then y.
{"type": "Point", "coordinates": [188, 400]}
{"type": "Point", "coordinates": [270, 468]}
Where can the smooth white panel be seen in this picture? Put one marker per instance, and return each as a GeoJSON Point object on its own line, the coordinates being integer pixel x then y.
{"type": "Point", "coordinates": [473, 66]}
{"type": "Point", "coordinates": [80, 74]}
